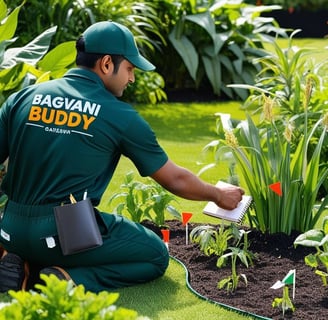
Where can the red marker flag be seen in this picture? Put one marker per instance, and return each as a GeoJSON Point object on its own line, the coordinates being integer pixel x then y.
{"type": "Point", "coordinates": [186, 217]}
{"type": "Point", "coordinates": [276, 187]}
{"type": "Point", "coordinates": [166, 235]}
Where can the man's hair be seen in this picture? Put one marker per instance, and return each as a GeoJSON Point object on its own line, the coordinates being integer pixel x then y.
{"type": "Point", "coordinates": [89, 60]}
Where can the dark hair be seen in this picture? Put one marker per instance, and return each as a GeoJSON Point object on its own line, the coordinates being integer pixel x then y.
{"type": "Point", "coordinates": [89, 60]}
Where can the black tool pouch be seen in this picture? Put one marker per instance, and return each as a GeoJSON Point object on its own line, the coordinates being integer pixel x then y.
{"type": "Point", "coordinates": [77, 227]}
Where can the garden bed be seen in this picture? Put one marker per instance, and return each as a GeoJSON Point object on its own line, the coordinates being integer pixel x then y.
{"type": "Point", "coordinates": [276, 256]}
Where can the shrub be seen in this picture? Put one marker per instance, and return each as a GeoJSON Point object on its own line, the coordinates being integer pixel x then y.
{"type": "Point", "coordinates": [59, 299]}
{"type": "Point", "coordinates": [22, 66]}
{"type": "Point", "coordinates": [311, 5]}
{"type": "Point", "coordinates": [67, 19]}
{"type": "Point", "coordinates": [144, 201]}
{"type": "Point", "coordinates": [217, 41]}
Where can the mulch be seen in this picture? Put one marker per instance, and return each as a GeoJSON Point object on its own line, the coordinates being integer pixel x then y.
{"type": "Point", "coordinates": [276, 256]}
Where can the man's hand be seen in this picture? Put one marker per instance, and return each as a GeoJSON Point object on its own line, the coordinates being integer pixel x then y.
{"type": "Point", "coordinates": [229, 196]}
{"type": "Point", "coordinates": [185, 184]}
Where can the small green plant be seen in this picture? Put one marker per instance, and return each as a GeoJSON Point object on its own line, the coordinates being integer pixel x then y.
{"type": "Point", "coordinates": [212, 240]}
{"type": "Point", "coordinates": [160, 204]}
{"type": "Point", "coordinates": [135, 196]}
{"type": "Point", "coordinates": [241, 252]}
{"type": "Point", "coordinates": [318, 239]}
{"type": "Point", "coordinates": [60, 299]}
{"type": "Point", "coordinates": [216, 241]}
{"type": "Point", "coordinates": [285, 303]}
{"type": "Point", "coordinates": [144, 201]}
{"type": "Point", "coordinates": [231, 282]}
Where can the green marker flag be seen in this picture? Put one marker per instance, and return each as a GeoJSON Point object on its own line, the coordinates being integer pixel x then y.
{"type": "Point", "coordinates": [289, 279]}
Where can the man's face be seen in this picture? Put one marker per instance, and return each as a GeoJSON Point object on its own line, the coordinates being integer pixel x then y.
{"type": "Point", "coordinates": [116, 83]}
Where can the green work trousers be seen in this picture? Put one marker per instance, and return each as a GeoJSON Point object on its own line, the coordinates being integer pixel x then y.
{"type": "Point", "coordinates": [130, 253]}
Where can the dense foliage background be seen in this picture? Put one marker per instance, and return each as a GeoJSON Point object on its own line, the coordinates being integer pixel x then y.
{"type": "Point", "coordinates": [194, 44]}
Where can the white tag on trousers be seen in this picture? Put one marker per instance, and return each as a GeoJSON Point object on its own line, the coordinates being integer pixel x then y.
{"type": "Point", "coordinates": [51, 243]}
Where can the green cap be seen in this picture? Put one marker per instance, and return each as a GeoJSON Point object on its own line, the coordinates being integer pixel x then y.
{"type": "Point", "coordinates": [109, 37]}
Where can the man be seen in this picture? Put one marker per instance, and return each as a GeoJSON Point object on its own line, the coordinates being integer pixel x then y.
{"type": "Point", "coordinates": [66, 136]}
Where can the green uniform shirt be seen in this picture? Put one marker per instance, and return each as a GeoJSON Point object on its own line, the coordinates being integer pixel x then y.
{"type": "Point", "coordinates": [67, 135]}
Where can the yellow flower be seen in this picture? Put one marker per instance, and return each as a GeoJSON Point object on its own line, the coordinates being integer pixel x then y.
{"type": "Point", "coordinates": [231, 139]}
{"type": "Point", "coordinates": [268, 108]}
{"type": "Point", "coordinates": [325, 121]}
{"type": "Point", "coordinates": [288, 133]}
{"type": "Point", "coordinates": [308, 91]}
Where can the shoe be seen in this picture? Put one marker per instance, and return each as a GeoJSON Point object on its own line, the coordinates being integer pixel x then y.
{"type": "Point", "coordinates": [60, 273]}
{"type": "Point", "coordinates": [13, 273]}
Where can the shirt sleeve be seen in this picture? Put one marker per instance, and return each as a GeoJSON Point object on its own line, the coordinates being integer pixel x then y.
{"type": "Point", "coordinates": [140, 145]}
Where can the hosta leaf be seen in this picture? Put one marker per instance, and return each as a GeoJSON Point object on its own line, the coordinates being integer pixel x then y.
{"type": "Point", "coordinates": [324, 240]}
{"type": "Point", "coordinates": [325, 225]}
{"type": "Point", "coordinates": [214, 72]}
{"type": "Point", "coordinates": [311, 238]}
{"type": "Point", "coordinates": [324, 259]}
{"type": "Point", "coordinates": [323, 276]}
{"type": "Point", "coordinates": [311, 261]}
{"type": "Point", "coordinates": [8, 28]}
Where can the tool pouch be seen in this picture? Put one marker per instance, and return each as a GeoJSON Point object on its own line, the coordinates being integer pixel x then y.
{"type": "Point", "coordinates": [77, 227]}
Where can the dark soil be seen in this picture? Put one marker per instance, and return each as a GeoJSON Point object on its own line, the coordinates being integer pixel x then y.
{"type": "Point", "coordinates": [276, 256]}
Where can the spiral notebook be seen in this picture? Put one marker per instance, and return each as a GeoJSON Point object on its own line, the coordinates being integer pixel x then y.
{"type": "Point", "coordinates": [235, 215]}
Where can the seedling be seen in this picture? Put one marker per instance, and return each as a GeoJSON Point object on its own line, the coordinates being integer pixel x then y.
{"type": "Point", "coordinates": [231, 282]}
{"type": "Point", "coordinates": [285, 302]}
{"type": "Point", "coordinates": [144, 201]}
{"type": "Point", "coordinates": [318, 239]}
{"type": "Point", "coordinates": [245, 256]}
{"type": "Point", "coordinates": [216, 241]}
{"type": "Point", "coordinates": [60, 299]}
{"type": "Point", "coordinates": [212, 240]}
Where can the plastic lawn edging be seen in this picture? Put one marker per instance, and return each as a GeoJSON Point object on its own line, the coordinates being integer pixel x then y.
{"type": "Point", "coordinates": [225, 306]}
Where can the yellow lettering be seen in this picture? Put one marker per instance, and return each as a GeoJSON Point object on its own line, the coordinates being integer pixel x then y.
{"type": "Point", "coordinates": [61, 118]}
{"type": "Point", "coordinates": [35, 114]}
{"type": "Point", "coordinates": [51, 115]}
{"type": "Point", "coordinates": [87, 121]}
{"type": "Point", "coordinates": [74, 119]}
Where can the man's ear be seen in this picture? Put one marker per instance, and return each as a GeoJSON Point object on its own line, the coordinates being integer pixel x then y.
{"type": "Point", "coordinates": [106, 64]}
